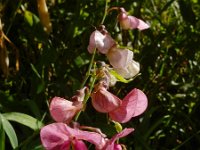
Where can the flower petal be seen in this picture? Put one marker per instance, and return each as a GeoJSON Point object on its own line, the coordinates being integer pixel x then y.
{"type": "Point", "coordinates": [103, 42]}
{"type": "Point", "coordinates": [79, 145]}
{"type": "Point", "coordinates": [130, 71]}
{"type": "Point", "coordinates": [96, 40]}
{"type": "Point", "coordinates": [92, 137]}
{"type": "Point", "coordinates": [63, 110]}
{"type": "Point", "coordinates": [119, 58]}
{"type": "Point", "coordinates": [104, 101]}
{"type": "Point", "coordinates": [134, 104]}
{"type": "Point", "coordinates": [137, 23]}
{"type": "Point", "coordinates": [110, 145]}
{"type": "Point", "coordinates": [54, 137]}
{"type": "Point", "coordinates": [130, 22]}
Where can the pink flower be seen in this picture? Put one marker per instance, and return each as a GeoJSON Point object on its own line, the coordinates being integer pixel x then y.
{"type": "Point", "coordinates": [130, 22]}
{"type": "Point", "coordinates": [59, 136]}
{"type": "Point", "coordinates": [111, 145]}
{"type": "Point", "coordinates": [134, 104]}
{"type": "Point", "coordinates": [63, 110]}
{"type": "Point", "coordinates": [104, 101]}
{"type": "Point", "coordinates": [101, 41]}
{"type": "Point", "coordinates": [122, 61]}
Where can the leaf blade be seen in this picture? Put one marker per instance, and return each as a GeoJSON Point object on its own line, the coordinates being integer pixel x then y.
{"type": "Point", "coordinates": [24, 119]}
{"type": "Point", "coordinates": [10, 132]}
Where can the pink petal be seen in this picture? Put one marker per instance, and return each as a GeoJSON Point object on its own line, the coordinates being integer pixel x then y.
{"type": "Point", "coordinates": [137, 23]}
{"type": "Point", "coordinates": [110, 145]}
{"type": "Point", "coordinates": [54, 137]}
{"type": "Point", "coordinates": [63, 110]}
{"type": "Point", "coordinates": [79, 145]}
{"type": "Point", "coordinates": [134, 104]}
{"type": "Point", "coordinates": [92, 137]}
{"type": "Point", "coordinates": [104, 101]}
{"type": "Point", "coordinates": [103, 42]}
{"type": "Point", "coordinates": [96, 40]}
{"type": "Point", "coordinates": [117, 147]}
{"type": "Point", "coordinates": [119, 58]}
{"type": "Point", "coordinates": [131, 22]}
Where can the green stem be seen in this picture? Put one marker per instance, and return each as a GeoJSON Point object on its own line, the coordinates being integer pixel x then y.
{"type": "Point", "coordinates": [89, 69]}
{"type": "Point", "coordinates": [105, 12]}
{"type": "Point", "coordinates": [87, 96]}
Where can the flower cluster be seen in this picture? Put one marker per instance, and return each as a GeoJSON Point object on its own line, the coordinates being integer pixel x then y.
{"type": "Point", "coordinates": [121, 59]}
{"type": "Point", "coordinates": [65, 133]}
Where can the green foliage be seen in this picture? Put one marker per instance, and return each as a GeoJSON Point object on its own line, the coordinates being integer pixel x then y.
{"type": "Point", "coordinates": [55, 65]}
{"type": "Point", "coordinates": [10, 132]}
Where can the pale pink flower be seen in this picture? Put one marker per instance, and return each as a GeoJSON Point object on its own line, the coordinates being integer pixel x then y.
{"type": "Point", "coordinates": [122, 61]}
{"type": "Point", "coordinates": [111, 145]}
{"type": "Point", "coordinates": [119, 57]}
{"type": "Point", "coordinates": [134, 104]}
{"type": "Point", "coordinates": [59, 136]}
{"type": "Point", "coordinates": [131, 70]}
{"type": "Point", "coordinates": [130, 22]}
{"type": "Point", "coordinates": [101, 41]}
{"type": "Point", "coordinates": [104, 101]}
{"type": "Point", "coordinates": [63, 110]}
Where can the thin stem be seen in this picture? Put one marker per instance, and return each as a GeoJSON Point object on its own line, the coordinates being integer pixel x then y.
{"type": "Point", "coordinates": [89, 69]}
{"type": "Point", "coordinates": [105, 12]}
{"type": "Point", "coordinates": [87, 96]}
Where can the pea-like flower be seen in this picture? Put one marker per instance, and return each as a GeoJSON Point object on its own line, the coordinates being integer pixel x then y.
{"type": "Point", "coordinates": [122, 61]}
{"type": "Point", "coordinates": [130, 22]}
{"type": "Point", "coordinates": [102, 41]}
{"type": "Point", "coordinates": [111, 145]}
{"type": "Point", "coordinates": [131, 70]}
{"type": "Point", "coordinates": [63, 110]}
{"type": "Point", "coordinates": [134, 104]}
{"type": "Point", "coordinates": [59, 136]}
{"type": "Point", "coordinates": [119, 57]}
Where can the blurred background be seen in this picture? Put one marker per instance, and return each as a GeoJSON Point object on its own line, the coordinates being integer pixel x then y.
{"type": "Point", "coordinates": [43, 65]}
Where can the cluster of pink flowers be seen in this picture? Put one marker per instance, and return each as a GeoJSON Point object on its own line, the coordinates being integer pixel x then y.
{"type": "Point", "coordinates": [121, 59]}
{"type": "Point", "coordinates": [62, 135]}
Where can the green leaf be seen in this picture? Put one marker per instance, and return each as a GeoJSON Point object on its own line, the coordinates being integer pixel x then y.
{"type": "Point", "coordinates": [28, 17]}
{"type": "Point", "coordinates": [119, 77]}
{"type": "Point", "coordinates": [24, 119]}
{"type": "Point", "coordinates": [2, 137]}
{"type": "Point", "coordinates": [10, 132]}
{"type": "Point", "coordinates": [35, 71]}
